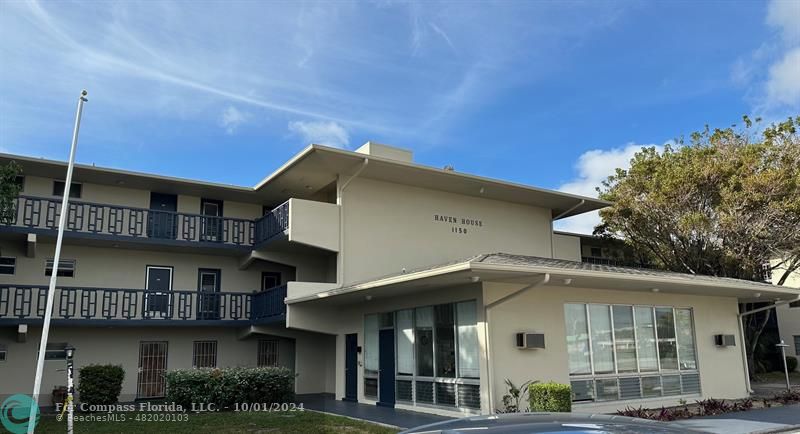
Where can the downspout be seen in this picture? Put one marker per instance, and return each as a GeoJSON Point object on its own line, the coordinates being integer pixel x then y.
{"type": "Point", "coordinates": [558, 217]}
{"type": "Point", "coordinates": [487, 309]}
{"type": "Point", "coordinates": [741, 335]}
{"type": "Point", "coordinates": [340, 202]}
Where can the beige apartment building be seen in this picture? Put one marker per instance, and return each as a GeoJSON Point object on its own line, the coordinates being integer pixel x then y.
{"type": "Point", "coordinates": [376, 279]}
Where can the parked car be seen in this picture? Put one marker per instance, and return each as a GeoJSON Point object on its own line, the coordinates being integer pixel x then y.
{"type": "Point", "coordinates": [519, 423]}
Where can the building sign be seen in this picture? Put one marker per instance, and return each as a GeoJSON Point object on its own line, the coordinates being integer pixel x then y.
{"type": "Point", "coordinates": [458, 225]}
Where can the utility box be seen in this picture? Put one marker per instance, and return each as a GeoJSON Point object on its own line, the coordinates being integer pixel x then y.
{"type": "Point", "coordinates": [725, 340]}
{"type": "Point", "coordinates": [530, 341]}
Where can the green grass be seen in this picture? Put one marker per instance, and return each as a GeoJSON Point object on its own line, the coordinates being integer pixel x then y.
{"type": "Point", "coordinates": [223, 422]}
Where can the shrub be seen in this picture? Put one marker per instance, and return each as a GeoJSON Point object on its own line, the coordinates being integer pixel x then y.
{"type": "Point", "coordinates": [100, 384]}
{"type": "Point", "coordinates": [515, 396]}
{"type": "Point", "coordinates": [791, 363]}
{"type": "Point", "coordinates": [713, 406]}
{"type": "Point", "coordinates": [640, 412]}
{"type": "Point", "coordinates": [550, 397]}
{"type": "Point", "coordinates": [228, 386]}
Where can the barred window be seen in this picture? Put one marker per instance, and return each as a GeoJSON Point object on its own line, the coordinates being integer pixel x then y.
{"type": "Point", "coordinates": [268, 352]}
{"type": "Point", "coordinates": [7, 265]}
{"type": "Point", "coordinates": [204, 354]}
{"type": "Point", "coordinates": [66, 267]}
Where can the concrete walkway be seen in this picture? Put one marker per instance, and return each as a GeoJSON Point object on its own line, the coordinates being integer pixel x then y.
{"type": "Point", "coordinates": [383, 415]}
{"type": "Point", "coordinates": [774, 419]}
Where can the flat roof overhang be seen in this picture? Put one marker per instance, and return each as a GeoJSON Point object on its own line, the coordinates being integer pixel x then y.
{"type": "Point", "coordinates": [466, 273]}
{"type": "Point", "coordinates": [318, 166]}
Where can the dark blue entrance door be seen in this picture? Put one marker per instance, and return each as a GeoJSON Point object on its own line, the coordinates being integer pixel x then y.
{"type": "Point", "coordinates": [386, 365]}
{"type": "Point", "coordinates": [350, 367]}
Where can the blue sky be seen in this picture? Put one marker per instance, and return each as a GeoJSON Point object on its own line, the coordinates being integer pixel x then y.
{"type": "Point", "coordinates": [553, 94]}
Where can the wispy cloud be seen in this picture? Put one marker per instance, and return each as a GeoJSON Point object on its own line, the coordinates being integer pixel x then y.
{"type": "Point", "coordinates": [232, 118]}
{"type": "Point", "coordinates": [771, 73]}
{"type": "Point", "coordinates": [593, 167]}
{"type": "Point", "coordinates": [321, 133]}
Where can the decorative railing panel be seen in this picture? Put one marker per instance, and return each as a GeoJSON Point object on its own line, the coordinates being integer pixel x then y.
{"type": "Point", "coordinates": [135, 223]}
{"type": "Point", "coordinates": [28, 302]}
{"type": "Point", "coordinates": [272, 224]}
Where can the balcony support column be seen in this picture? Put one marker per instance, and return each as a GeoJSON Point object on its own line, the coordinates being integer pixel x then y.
{"type": "Point", "coordinates": [31, 246]}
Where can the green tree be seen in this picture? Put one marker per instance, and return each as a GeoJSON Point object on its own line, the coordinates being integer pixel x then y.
{"type": "Point", "coordinates": [725, 203]}
{"type": "Point", "coordinates": [9, 191]}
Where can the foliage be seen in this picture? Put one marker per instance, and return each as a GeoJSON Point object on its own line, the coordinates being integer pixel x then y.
{"type": "Point", "coordinates": [725, 203]}
{"type": "Point", "coordinates": [228, 386]}
{"type": "Point", "coordinates": [550, 397]}
{"type": "Point", "coordinates": [791, 363]}
{"type": "Point", "coordinates": [100, 384]}
{"type": "Point", "coordinates": [711, 406]}
{"type": "Point", "coordinates": [9, 191]}
{"type": "Point", "coordinates": [515, 395]}
{"type": "Point", "coordinates": [788, 397]}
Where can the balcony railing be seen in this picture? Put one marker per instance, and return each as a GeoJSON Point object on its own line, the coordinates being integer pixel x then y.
{"type": "Point", "coordinates": [102, 220]}
{"type": "Point", "coordinates": [272, 224]}
{"type": "Point", "coordinates": [27, 303]}
{"type": "Point", "coordinates": [611, 262]}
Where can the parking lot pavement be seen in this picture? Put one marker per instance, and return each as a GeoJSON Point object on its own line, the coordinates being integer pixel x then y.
{"type": "Point", "coordinates": [775, 419]}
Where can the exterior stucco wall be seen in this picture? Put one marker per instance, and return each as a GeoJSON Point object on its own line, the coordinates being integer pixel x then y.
{"type": "Point", "coordinates": [126, 268]}
{"type": "Point", "coordinates": [137, 198]}
{"type": "Point", "coordinates": [391, 227]}
{"type": "Point", "coordinates": [541, 310]}
{"type": "Point", "coordinates": [121, 346]}
{"type": "Point", "coordinates": [566, 247]}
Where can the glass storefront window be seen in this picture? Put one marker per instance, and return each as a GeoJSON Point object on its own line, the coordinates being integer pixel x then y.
{"type": "Point", "coordinates": [445, 341]}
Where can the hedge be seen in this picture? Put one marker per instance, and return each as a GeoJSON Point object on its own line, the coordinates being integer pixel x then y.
{"type": "Point", "coordinates": [791, 363]}
{"type": "Point", "coordinates": [553, 397]}
{"type": "Point", "coordinates": [228, 386]}
{"type": "Point", "coordinates": [100, 384]}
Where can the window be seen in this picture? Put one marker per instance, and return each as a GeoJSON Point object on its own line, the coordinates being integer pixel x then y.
{"type": "Point", "coordinates": [636, 351]}
{"type": "Point", "coordinates": [3, 352]}
{"type": "Point", "coordinates": [270, 279]}
{"type": "Point", "coordinates": [7, 265]}
{"type": "Point", "coordinates": [437, 354]}
{"type": "Point", "coordinates": [797, 345]}
{"type": "Point", "coordinates": [371, 355]}
{"type": "Point", "coordinates": [405, 342]}
{"type": "Point", "coordinates": [268, 352]}
{"type": "Point", "coordinates": [468, 365]}
{"type": "Point", "coordinates": [66, 268]}
{"type": "Point", "coordinates": [425, 341]}
{"type": "Point", "coordinates": [445, 341]}
{"type": "Point", "coordinates": [597, 252]}
{"type": "Point", "coordinates": [55, 351]}
{"type": "Point", "coordinates": [74, 189]}
{"type": "Point", "coordinates": [204, 354]}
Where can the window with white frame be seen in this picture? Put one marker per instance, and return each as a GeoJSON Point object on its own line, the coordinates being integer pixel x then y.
{"type": "Point", "coordinates": [8, 265]}
{"type": "Point", "coordinates": [619, 352]}
{"type": "Point", "coordinates": [66, 267]}
{"type": "Point", "coordinates": [437, 354]}
{"type": "Point", "coordinates": [267, 352]}
{"type": "Point", "coordinates": [204, 354]}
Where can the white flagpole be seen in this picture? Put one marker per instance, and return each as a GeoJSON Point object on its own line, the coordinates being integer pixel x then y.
{"type": "Point", "coordinates": [37, 383]}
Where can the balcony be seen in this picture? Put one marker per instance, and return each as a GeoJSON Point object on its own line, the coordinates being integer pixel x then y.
{"type": "Point", "coordinates": [299, 221]}
{"type": "Point", "coordinates": [25, 304]}
{"type": "Point", "coordinates": [102, 221]}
